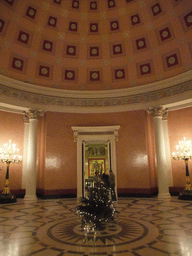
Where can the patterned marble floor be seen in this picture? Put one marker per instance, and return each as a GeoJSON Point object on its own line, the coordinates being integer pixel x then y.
{"type": "Point", "coordinates": [143, 227]}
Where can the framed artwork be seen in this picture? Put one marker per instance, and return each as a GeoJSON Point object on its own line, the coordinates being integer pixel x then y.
{"type": "Point", "coordinates": [95, 165]}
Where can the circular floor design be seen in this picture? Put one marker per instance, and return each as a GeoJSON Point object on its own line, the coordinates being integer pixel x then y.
{"type": "Point", "coordinates": [69, 234]}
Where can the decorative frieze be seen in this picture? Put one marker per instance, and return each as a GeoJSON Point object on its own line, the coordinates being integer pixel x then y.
{"type": "Point", "coordinates": [125, 98]}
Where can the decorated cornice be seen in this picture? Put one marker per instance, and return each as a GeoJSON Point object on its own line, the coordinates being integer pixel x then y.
{"type": "Point", "coordinates": [28, 93]}
{"type": "Point", "coordinates": [96, 130]}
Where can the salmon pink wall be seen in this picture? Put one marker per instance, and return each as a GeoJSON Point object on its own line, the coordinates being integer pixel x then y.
{"type": "Point", "coordinates": [60, 155]}
{"type": "Point", "coordinates": [57, 151]}
{"type": "Point", "coordinates": [132, 158]}
{"type": "Point", "coordinates": [180, 126]}
{"type": "Point", "coordinates": [41, 147]}
{"type": "Point", "coordinates": [11, 128]}
{"type": "Point", "coordinates": [150, 140]}
{"type": "Point", "coordinates": [132, 149]}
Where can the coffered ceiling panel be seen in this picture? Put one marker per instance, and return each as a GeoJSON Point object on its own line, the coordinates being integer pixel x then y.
{"type": "Point", "coordinates": [92, 45]}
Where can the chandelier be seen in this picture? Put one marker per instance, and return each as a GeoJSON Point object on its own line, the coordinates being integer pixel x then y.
{"type": "Point", "coordinates": [184, 152]}
{"type": "Point", "coordinates": [9, 153]}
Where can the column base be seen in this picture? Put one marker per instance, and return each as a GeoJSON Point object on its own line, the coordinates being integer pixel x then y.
{"type": "Point", "coordinates": [186, 195]}
{"type": "Point", "coordinates": [30, 198]}
{"type": "Point", "coordinates": [7, 198]}
{"type": "Point", "coordinates": [164, 196]}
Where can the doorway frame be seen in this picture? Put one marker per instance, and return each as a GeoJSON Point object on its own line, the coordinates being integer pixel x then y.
{"type": "Point", "coordinates": [94, 134]}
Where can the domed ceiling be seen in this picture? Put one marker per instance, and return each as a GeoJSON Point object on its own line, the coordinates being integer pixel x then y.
{"type": "Point", "coordinates": [95, 45]}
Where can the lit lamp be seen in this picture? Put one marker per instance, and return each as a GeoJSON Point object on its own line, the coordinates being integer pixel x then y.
{"type": "Point", "coordinates": [184, 152]}
{"type": "Point", "coordinates": [9, 153]}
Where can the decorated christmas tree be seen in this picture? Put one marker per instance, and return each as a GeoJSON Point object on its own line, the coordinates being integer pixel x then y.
{"type": "Point", "coordinates": [96, 208]}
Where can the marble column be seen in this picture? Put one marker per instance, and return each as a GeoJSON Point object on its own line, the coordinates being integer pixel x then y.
{"type": "Point", "coordinates": [30, 193]}
{"type": "Point", "coordinates": [163, 183]}
{"type": "Point", "coordinates": [25, 149]}
{"type": "Point", "coordinates": [167, 148]}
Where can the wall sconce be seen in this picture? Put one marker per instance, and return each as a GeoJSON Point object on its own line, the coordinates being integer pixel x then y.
{"type": "Point", "coordinates": [184, 152]}
{"type": "Point", "coordinates": [9, 153]}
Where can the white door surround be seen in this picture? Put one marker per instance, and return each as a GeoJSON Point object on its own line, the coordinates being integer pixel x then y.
{"type": "Point", "coordinates": [94, 134]}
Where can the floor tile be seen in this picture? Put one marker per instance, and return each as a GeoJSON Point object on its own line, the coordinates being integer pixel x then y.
{"type": "Point", "coordinates": [142, 227]}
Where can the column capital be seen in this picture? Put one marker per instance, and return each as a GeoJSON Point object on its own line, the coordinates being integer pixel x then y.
{"type": "Point", "coordinates": [26, 117]}
{"type": "Point", "coordinates": [165, 114]}
{"type": "Point", "coordinates": [158, 112]}
{"type": "Point", "coordinates": [32, 114]}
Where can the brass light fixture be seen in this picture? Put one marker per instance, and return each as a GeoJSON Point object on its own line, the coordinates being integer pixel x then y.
{"type": "Point", "coordinates": [9, 153]}
{"type": "Point", "coordinates": [184, 152]}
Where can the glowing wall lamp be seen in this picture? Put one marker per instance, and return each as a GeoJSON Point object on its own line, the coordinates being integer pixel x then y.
{"type": "Point", "coordinates": [9, 153]}
{"type": "Point", "coordinates": [184, 152]}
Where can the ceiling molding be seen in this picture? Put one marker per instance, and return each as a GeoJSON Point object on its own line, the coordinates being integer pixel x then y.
{"type": "Point", "coordinates": [174, 90]}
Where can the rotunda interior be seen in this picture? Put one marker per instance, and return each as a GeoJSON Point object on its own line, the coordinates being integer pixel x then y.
{"type": "Point", "coordinates": [96, 64]}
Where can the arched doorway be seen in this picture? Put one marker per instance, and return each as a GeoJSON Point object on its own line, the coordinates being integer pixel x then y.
{"type": "Point", "coordinates": [96, 158]}
{"type": "Point", "coordinates": [100, 143]}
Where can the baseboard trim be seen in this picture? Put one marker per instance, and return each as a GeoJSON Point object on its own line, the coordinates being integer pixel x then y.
{"type": "Point", "coordinates": [175, 191]}
{"type": "Point", "coordinates": [146, 192]}
{"type": "Point", "coordinates": [57, 193]}
{"type": "Point", "coordinates": [137, 192]}
{"type": "Point", "coordinates": [72, 193]}
{"type": "Point", "coordinates": [19, 193]}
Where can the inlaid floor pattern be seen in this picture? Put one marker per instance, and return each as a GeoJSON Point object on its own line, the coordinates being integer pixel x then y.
{"type": "Point", "coordinates": [143, 227]}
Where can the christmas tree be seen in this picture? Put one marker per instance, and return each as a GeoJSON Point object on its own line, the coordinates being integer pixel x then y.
{"type": "Point", "coordinates": [96, 208]}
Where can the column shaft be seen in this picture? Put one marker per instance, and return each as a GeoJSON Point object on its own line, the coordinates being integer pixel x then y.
{"type": "Point", "coordinates": [31, 161]}
{"type": "Point", "coordinates": [25, 151]}
{"type": "Point", "coordinates": [32, 156]}
{"type": "Point", "coordinates": [163, 183]}
{"type": "Point", "coordinates": [167, 152]}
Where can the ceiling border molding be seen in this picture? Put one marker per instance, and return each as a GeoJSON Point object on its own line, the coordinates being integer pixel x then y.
{"type": "Point", "coordinates": [12, 108]}
{"type": "Point", "coordinates": [167, 91]}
